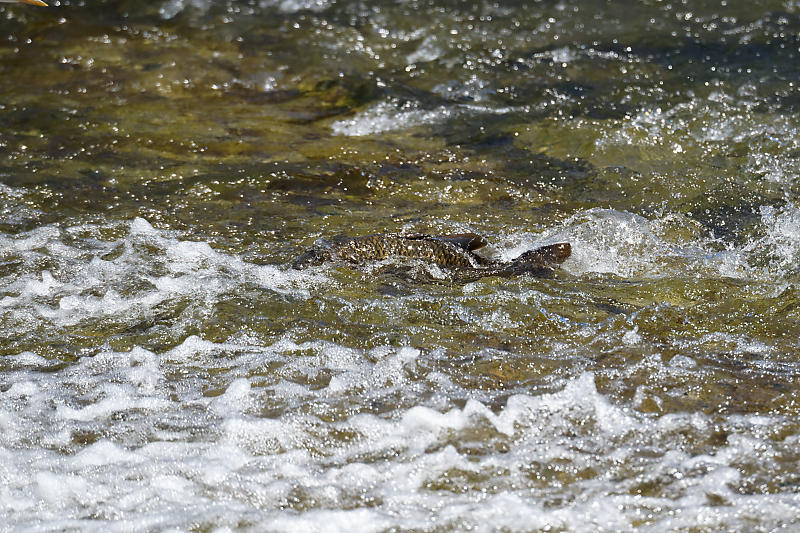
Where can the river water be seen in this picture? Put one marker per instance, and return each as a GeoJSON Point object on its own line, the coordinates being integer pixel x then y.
{"type": "Point", "coordinates": [162, 368]}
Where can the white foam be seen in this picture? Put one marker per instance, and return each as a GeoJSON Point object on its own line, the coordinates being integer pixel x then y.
{"type": "Point", "coordinates": [61, 489]}
{"type": "Point", "coordinates": [117, 399]}
{"type": "Point", "coordinates": [172, 8]}
{"type": "Point", "coordinates": [782, 235]}
{"type": "Point", "coordinates": [102, 453]}
{"type": "Point", "coordinates": [292, 6]}
{"type": "Point", "coordinates": [27, 359]}
{"type": "Point", "coordinates": [428, 50]}
{"type": "Point", "coordinates": [284, 434]}
{"type": "Point", "coordinates": [474, 89]}
{"type": "Point", "coordinates": [323, 521]}
{"type": "Point", "coordinates": [773, 167]}
{"type": "Point", "coordinates": [235, 399]}
{"type": "Point", "coordinates": [22, 389]}
{"type": "Point", "coordinates": [563, 55]}
{"type": "Point", "coordinates": [11, 192]}
{"type": "Point", "coordinates": [249, 465]}
{"type": "Point", "coordinates": [425, 419]}
{"type": "Point", "coordinates": [632, 337]}
{"type": "Point", "coordinates": [771, 254]}
{"type": "Point", "coordinates": [603, 241]}
{"type": "Point", "coordinates": [388, 116]}
{"type": "Point", "coordinates": [607, 241]}
{"type": "Point", "coordinates": [135, 281]}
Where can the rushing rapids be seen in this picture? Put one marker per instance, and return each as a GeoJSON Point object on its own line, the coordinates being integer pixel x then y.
{"type": "Point", "coordinates": [164, 368]}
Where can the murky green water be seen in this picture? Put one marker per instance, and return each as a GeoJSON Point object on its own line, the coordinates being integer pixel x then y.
{"type": "Point", "coordinates": [162, 367]}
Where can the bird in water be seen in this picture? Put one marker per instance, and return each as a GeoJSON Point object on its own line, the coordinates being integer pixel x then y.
{"type": "Point", "coordinates": [30, 2]}
{"type": "Point", "coordinates": [454, 252]}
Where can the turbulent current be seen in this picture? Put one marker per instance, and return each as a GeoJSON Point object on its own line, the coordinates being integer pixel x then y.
{"type": "Point", "coordinates": [164, 368]}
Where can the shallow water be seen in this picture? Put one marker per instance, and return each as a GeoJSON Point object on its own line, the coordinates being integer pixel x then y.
{"type": "Point", "coordinates": [163, 368]}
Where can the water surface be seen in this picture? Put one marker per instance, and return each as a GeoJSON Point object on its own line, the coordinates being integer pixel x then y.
{"type": "Point", "coordinates": [163, 368]}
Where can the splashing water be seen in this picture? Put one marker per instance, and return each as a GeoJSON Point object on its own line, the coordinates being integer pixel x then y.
{"type": "Point", "coordinates": [163, 368]}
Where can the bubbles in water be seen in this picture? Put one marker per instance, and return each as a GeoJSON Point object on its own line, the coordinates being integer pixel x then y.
{"type": "Point", "coordinates": [153, 380]}
{"type": "Point", "coordinates": [172, 8]}
{"type": "Point", "coordinates": [291, 6]}
{"type": "Point", "coordinates": [387, 116]}
{"type": "Point", "coordinates": [429, 50]}
{"type": "Point", "coordinates": [782, 240]}
{"type": "Point", "coordinates": [124, 279]}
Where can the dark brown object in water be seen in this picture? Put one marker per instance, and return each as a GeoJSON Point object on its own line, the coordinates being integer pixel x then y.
{"type": "Point", "coordinates": [450, 251]}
